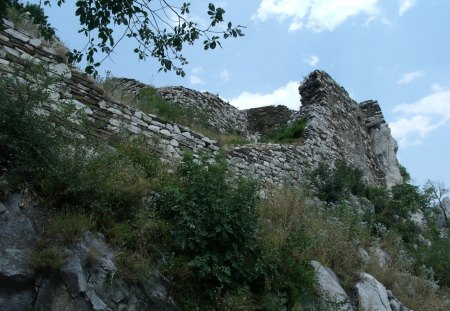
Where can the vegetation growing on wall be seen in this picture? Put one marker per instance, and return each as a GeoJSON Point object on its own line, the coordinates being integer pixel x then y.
{"type": "Point", "coordinates": [288, 134]}
{"type": "Point", "coordinates": [217, 243]}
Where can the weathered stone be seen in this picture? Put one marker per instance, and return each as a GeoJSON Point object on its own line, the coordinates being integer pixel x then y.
{"type": "Point", "coordinates": [372, 294]}
{"type": "Point", "coordinates": [61, 70]}
{"type": "Point", "coordinates": [74, 276]}
{"type": "Point", "coordinates": [35, 42]}
{"type": "Point", "coordinates": [11, 51]}
{"type": "Point", "coordinates": [154, 128]}
{"type": "Point", "coordinates": [16, 245]}
{"type": "Point", "coordinates": [186, 134]}
{"type": "Point", "coordinates": [331, 292]}
{"type": "Point", "coordinates": [133, 129]}
{"type": "Point", "coordinates": [165, 132]}
{"type": "Point", "coordinates": [268, 118]}
{"type": "Point", "coordinates": [15, 300]}
{"type": "Point", "coordinates": [115, 122]}
{"type": "Point", "coordinates": [17, 35]}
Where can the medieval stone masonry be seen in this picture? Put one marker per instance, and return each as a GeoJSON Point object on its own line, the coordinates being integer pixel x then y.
{"type": "Point", "coordinates": [337, 128]}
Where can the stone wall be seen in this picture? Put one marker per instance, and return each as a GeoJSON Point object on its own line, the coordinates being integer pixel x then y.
{"type": "Point", "coordinates": [18, 48]}
{"type": "Point", "coordinates": [268, 118]}
{"type": "Point", "coordinates": [337, 127]}
{"type": "Point", "coordinates": [219, 115]}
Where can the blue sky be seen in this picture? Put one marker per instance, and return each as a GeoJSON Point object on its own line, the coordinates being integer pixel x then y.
{"type": "Point", "coordinates": [393, 51]}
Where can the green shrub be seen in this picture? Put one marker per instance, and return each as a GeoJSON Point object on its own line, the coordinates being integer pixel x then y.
{"type": "Point", "coordinates": [146, 234]}
{"type": "Point", "coordinates": [70, 226]}
{"type": "Point", "coordinates": [106, 184]}
{"type": "Point", "coordinates": [47, 259]}
{"type": "Point", "coordinates": [334, 185]}
{"type": "Point", "coordinates": [437, 257]}
{"type": "Point", "coordinates": [405, 174]}
{"type": "Point", "coordinates": [285, 240]}
{"type": "Point", "coordinates": [288, 134]}
{"type": "Point", "coordinates": [134, 267]}
{"type": "Point", "coordinates": [29, 138]}
{"type": "Point", "coordinates": [36, 16]}
{"type": "Point", "coordinates": [213, 226]}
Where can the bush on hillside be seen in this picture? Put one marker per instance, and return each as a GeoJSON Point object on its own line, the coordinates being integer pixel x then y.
{"type": "Point", "coordinates": [334, 185]}
{"type": "Point", "coordinates": [213, 226]}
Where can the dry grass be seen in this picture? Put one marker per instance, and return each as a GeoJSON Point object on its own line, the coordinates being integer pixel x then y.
{"type": "Point", "coordinates": [336, 245]}
{"type": "Point", "coordinates": [333, 238]}
{"type": "Point", "coordinates": [279, 215]}
{"type": "Point", "coordinates": [414, 292]}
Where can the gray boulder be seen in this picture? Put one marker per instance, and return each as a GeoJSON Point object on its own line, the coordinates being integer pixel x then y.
{"type": "Point", "coordinates": [332, 295]}
{"type": "Point", "coordinates": [372, 295]}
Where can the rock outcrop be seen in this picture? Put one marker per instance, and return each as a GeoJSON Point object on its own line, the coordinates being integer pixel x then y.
{"type": "Point", "coordinates": [373, 296]}
{"type": "Point", "coordinates": [88, 280]}
{"type": "Point", "coordinates": [383, 144]}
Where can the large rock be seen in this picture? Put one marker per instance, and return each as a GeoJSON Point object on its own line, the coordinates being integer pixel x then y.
{"type": "Point", "coordinates": [88, 279]}
{"type": "Point", "coordinates": [19, 231]}
{"type": "Point", "coordinates": [332, 295]}
{"type": "Point", "coordinates": [372, 295]}
{"type": "Point", "coordinates": [384, 146]}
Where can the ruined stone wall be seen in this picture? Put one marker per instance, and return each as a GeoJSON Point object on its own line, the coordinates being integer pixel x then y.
{"type": "Point", "coordinates": [17, 48]}
{"type": "Point", "coordinates": [337, 127]}
{"type": "Point", "coordinates": [219, 115]}
{"type": "Point", "coordinates": [265, 119]}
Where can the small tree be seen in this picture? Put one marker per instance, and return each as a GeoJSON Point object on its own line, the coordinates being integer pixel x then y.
{"type": "Point", "coordinates": [436, 191]}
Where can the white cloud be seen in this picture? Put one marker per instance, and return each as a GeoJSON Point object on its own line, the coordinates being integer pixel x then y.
{"type": "Point", "coordinates": [318, 15]}
{"type": "Point", "coordinates": [416, 120]}
{"type": "Point", "coordinates": [405, 5]}
{"type": "Point", "coordinates": [312, 60]}
{"type": "Point", "coordinates": [224, 75]}
{"type": "Point", "coordinates": [194, 77]}
{"type": "Point", "coordinates": [286, 95]}
{"type": "Point", "coordinates": [195, 80]}
{"type": "Point", "coordinates": [436, 87]}
{"type": "Point", "coordinates": [410, 76]}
